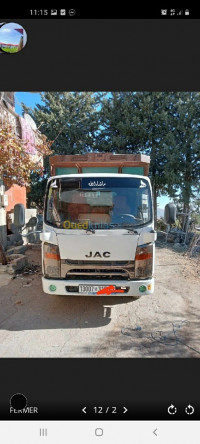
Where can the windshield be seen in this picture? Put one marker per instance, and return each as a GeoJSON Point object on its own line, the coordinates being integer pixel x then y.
{"type": "Point", "coordinates": [98, 203]}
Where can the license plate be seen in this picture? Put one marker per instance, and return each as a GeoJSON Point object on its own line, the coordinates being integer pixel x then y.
{"type": "Point", "coordinates": [90, 289]}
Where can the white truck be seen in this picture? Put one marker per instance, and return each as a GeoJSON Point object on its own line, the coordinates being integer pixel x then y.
{"type": "Point", "coordinates": [98, 233]}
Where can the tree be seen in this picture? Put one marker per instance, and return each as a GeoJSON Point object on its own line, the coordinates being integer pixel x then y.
{"type": "Point", "coordinates": [173, 142]}
{"type": "Point", "coordinates": [35, 196]}
{"type": "Point", "coordinates": [16, 164]}
{"type": "Point", "coordinates": [120, 124]}
{"type": "Point", "coordinates": [139, 122]}
{"type": "Point", "coordinates": [164, 125]}
{"type": "Point", "coordinates": [154, 111]}
{"type": "Point", "coordinates": [186, 114]}
{"type": "Point", "coordinates": [69, 119]}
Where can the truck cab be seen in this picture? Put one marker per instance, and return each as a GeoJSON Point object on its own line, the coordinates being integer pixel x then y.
{"type": "Point", "coordinates": [98, 235]}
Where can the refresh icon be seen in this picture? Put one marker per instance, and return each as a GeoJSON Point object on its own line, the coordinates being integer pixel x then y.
{"type": "Point", "coordinates": [172, 410]}
{"type": "Point", "coordinates": [189, 410]}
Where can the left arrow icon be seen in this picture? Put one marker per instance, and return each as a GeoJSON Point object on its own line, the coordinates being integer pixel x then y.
{"type": "Point", "coordinates": [84, 410]}
{"type": "Point", "coordinates": [155, 432]}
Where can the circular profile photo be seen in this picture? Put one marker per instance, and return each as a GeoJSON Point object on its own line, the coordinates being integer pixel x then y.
{"type": "Point", "coordinates": [13, 37]}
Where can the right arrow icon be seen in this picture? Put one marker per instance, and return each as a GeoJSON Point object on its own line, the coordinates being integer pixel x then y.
{"type": "Point", "coordinates": [125, 410]}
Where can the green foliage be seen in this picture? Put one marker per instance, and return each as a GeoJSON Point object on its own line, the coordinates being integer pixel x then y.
{"type": "Point", "coordinates": [35, 197]}
{"type": "Point", "coordinates": [68, 119]}
{"type": "Point", "coordinates": [164, 125]}
{"type": "Point", "coordinates": [161, 226]}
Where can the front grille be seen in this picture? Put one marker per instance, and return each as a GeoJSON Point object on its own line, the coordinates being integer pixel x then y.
{"type": "Point", "coordinates": [97, 274]}
{"type": "Point", "coordinates": [96, 270]}
{"type": "Point", "coordinates": [107, 263]}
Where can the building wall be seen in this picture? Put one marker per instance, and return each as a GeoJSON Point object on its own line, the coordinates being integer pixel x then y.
{"type": "Point", "coordinates": [3, 226]}
{"type": "Point", "coordinates": [9, 97]}
{"type": "Point", "coordinates": [16, 194]}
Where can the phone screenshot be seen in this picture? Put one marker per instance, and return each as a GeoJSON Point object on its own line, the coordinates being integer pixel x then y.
{"type": "Point", "coordinates": [99, 225]}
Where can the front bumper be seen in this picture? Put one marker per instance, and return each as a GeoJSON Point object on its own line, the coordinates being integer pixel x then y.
{"type": "Point", "coordinates": [131, 288]}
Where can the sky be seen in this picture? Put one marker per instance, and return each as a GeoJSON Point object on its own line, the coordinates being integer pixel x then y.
{"type": "Point", "coordinates": [32, 99]}
{"type": "Point", "coordinates": [28, 98]}
{"type": "Point", "coordinates": [8, 33]}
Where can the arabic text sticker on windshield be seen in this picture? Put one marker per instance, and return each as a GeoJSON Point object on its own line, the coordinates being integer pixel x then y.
{"type": "Point", "coordinates": [13, 37]}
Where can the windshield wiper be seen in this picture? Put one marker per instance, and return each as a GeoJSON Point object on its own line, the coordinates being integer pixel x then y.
{"type": "Point", "coordinates": [54, 222]}
{"type": "Point", "coordinates": [91, 230]}
{"type": "Point", "coordinates": [125, 226]}
{"type": "Point", "coordinates": [131, 229]}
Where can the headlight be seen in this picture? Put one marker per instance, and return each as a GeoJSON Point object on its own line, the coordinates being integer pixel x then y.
{"type": "Point", "coordinates": [51, 260]}
{"type": "Point", "coordinates": [144, 261]}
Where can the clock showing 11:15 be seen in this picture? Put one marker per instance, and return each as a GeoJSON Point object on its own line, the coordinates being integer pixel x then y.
{"type": "Point", "coordinates": [39, 12]}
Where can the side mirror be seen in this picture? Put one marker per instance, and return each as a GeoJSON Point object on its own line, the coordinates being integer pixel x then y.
{"type": "Point", "coordinates": [170, 214]}
{"type": "Point", "coordinates": [32, 222]}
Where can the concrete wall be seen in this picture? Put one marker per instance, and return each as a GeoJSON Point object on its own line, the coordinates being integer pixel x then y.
{"type": "Point", "coordinates": [3, 227]}
{"type": "Point", "coordinates": [16, 194]}
{"type": "Point", "coordinates": [29, 212]}
{"type": "Point", "coordinates": [32, 238]}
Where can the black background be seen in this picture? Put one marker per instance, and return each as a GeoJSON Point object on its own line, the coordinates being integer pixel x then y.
{"type": "Point", "coordinates": [61, 388]}
{"type": "Point", "coordinates": [103, 55]}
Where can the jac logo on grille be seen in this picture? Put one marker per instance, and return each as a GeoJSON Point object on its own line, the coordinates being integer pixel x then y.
{"type": "Point", "coordinates": [98, 254]}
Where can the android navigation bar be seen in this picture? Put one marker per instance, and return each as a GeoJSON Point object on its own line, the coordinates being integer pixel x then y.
{"type": "Point", "coordinates": [100, 432]}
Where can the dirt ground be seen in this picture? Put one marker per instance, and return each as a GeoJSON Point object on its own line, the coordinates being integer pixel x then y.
{"type": "Point", "coordinates": [166, 324]}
